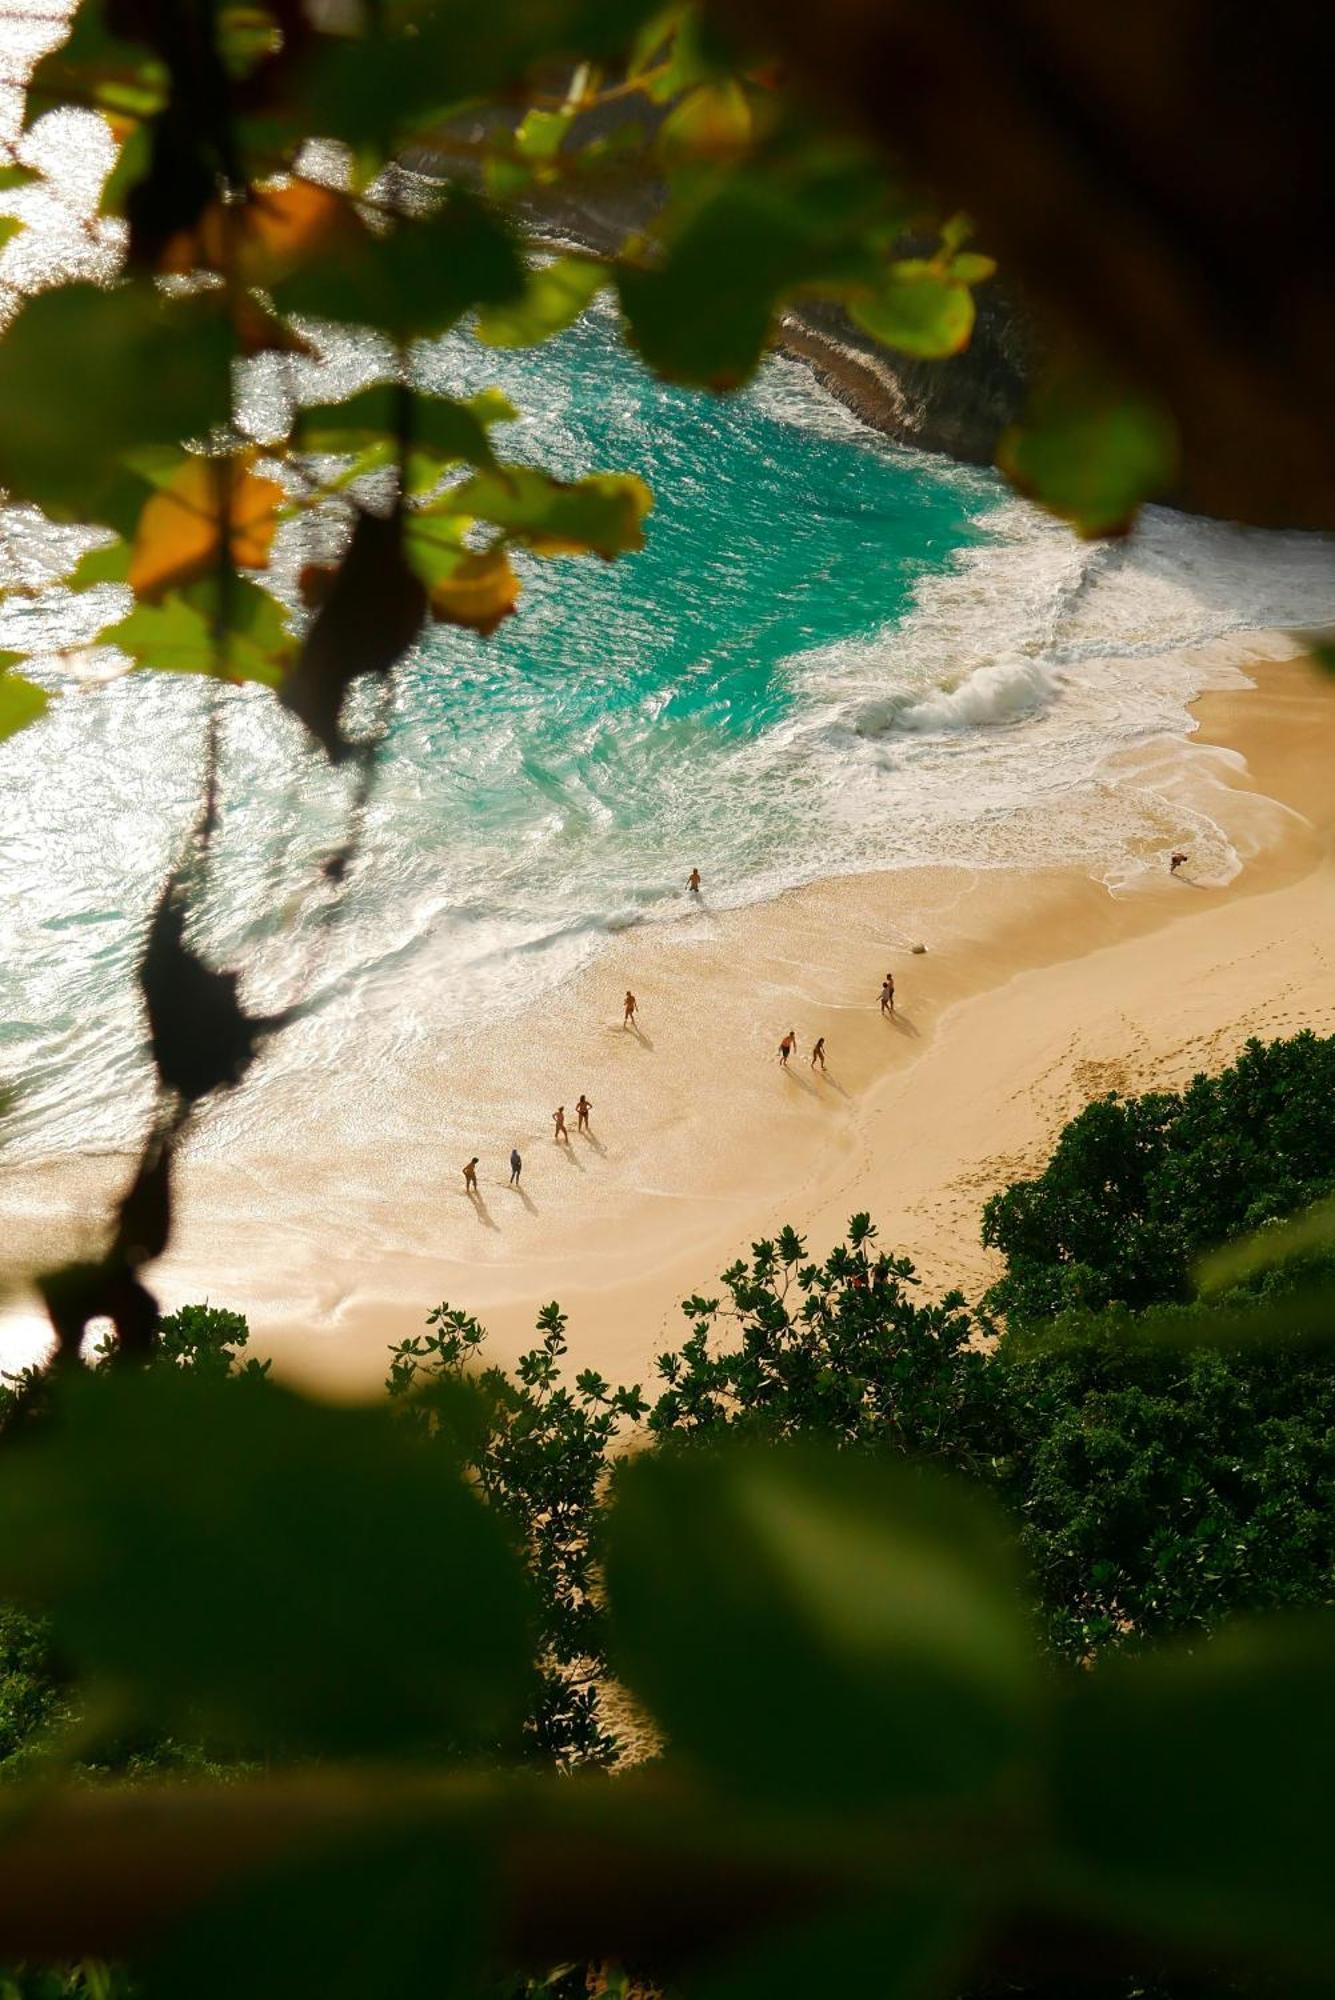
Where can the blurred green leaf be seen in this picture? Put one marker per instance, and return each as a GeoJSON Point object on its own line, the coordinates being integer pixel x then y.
{"type": "Point", "coordinates": [1264, 1248]}
{"type": "Point", "coordinates": [472, 587]}
{"type": "Point", "coordinates": [21, 701]}
{"type": "Point", "coordinates": [10, 227]}
{"type": "Point", "coordinates": [227, 1556]}
{"type": "Point", "coordinates": [150, 371]}
{"type": "Point", "coordinates": [97, 68]}
{"type": "Point", "coordinates": [186, 633]}
{"type": "Point", "coordinates": [901, 1950]}
{"type": "Point", "coordinates": [416, 278]}
{"type": "Point", "coordinates": [821, 1627]}
{"type": "Point", "coordinates": [1091, 453]}
{"type": "Point", "coordinates": [449, 429]}
{"type": "Point", "coordinates": [398, 1915]}
{"type": "Point", "coordinates": [539, 134]}
{"type": "Point", "coordinates": [555, 294]}
{"type": "Point", "coordinates": [704, 315]}
{"type": "Point", "coordinates": [711, 122]}
{"type": "Point", "coordinates": [918, 309]}
{"type": "Point", "coordinates": [1193, 1792]}
{"type": "Point", "coordinates": [601, 513]}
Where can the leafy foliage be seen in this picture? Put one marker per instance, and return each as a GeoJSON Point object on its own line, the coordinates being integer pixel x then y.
{"type": "Point", "coordinates": [1138, 1188]}
{"type": "Point", "coordinates": [839, 1350]}
{"type": "Point", "coordinates": [540, 1452]}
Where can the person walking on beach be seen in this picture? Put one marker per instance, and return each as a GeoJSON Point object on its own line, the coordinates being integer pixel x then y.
{"type": "Point", "coordinates": [818, 1053]}
{"type": "Point", "coordinates": [787, 1046]}
{"type": "Point", "coordinates": [630, 1005]}
{"type": "Point", "coordinates": [888, 994]}
{"type": "Point", "coordinates": [1176, 860]}
{"type": "Point", "coordinates": [470, 1176]}
{"type": "Point", "coordinates": [693, 881]}
{"type": "Point", "coordinates": [559, 1120]}
{"type": "Point", "coordinates": [516, 1166]}
{"type": "Point", "coordinates": [582, 1110]}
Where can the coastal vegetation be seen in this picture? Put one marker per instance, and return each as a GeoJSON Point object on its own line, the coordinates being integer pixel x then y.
{"type": "Point", "coordinates": [877, 1595]}
{"type": "Point", "coordinates": [1155, 1480]}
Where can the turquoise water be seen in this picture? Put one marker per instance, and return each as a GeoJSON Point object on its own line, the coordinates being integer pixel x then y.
{"type": "Point", "coordinates": [831, 655]}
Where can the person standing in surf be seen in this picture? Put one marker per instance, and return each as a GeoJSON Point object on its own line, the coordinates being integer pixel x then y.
{"type": "Point", "coordinates": [693, 881]}
{"type": "Point", "coordinates": [818, 1053]}
{"type": "Point", "coordinates": [470, 1176]}
{"type": "Point", "coordinates": [559, 1120]}
{"type": "Point", "coordinates": [629, 1005]}
{"type": "Point", "coordinates": [582, 1110]}
{"type": "Point", "coordinates": [516, 1166]}
{"type": "Point", "coordinates": [888, 994]}
{"type": "Point", "coordinates": [787, 1047]}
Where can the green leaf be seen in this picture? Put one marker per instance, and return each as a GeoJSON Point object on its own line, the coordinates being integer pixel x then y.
{"type": "Point", "coordinates": [88, 375]}
{"type": "Point", "coordinates": [399, 1914]}
{"type": "Point", "coordinates": [10, 227]}
{"type": "Point", "coordinates": [12, 175]}
{"type": "Point", "coordinates": [1264, 1248]}
{"type": "Point", "coordinates": [180, 635]}
{"type": "Point", "coordinates": [1193, 1793]}
{"type": "Point", "coordinates": [918, 310]}
{"type": "Point", "coordinates": [973, 269]}
{"type": "Point", "coordinates": [476, 588]}
{"type": "Point", "coordinates": [555, 295]}
{"type": "Point", "coordinates": [417, 278]}
{"type": "Point", "coordinates": [21, 701]}
{"type": "Point", "coordinates": [540, 134]}
{"type": "Point", "coordinates": [97, 68]}
{"type": "Point", "coordinates": [1090, 453]}
{"type": "Point", "coordinates": [601, 513]}
{"type": "Point", "coordinates": [704, 315]}
{"type": "Point", "coordinates": [905, 1950]}
{"type": "Point", "coordinates": [451, 430]}
{"type": "Point", "coordinates": [228, 1557]}
{"type": "Point", "coordinates": [821, 1627]}
{"type": "Point", "coordinates": [712, 122]}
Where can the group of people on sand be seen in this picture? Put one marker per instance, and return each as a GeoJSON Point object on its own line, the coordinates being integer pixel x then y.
{"type": "Point", "coordinates": [629, 1009]}
{"type": "Point", "coordinates": [788, 1046]}
{"type": "Point", "coordinates": [583, 1107]}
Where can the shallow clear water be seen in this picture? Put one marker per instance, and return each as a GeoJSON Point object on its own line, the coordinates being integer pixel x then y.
{"type": "Point", "coordinates": [831, 655]}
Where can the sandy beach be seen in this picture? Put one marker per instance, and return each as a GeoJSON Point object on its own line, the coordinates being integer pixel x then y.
{"type": "Point", "coordinates": [1036, 991]}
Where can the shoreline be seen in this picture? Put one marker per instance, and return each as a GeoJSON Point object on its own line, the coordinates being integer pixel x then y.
{"type": "Point", "coordinates": [1039, 989]}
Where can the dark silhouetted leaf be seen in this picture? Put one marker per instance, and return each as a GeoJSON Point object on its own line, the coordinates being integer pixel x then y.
{"type": "Point", "coordinates": [201, 1040]}
{"type": "Point", "coordinates": [227, 1557]}
{"type": "Point", "coordinates": [373, 613]}
{"type": "Point", "coordinates": [864, 1619]}
{"type": "Point", "coordinates": [82, 1292]}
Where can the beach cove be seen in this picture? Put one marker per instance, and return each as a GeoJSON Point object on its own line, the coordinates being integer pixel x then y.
{"type": "Point", "coordinates": [1037, 990]}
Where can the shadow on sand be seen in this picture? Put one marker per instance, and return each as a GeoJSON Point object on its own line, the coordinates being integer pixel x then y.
{"type": "Point", "coordinates": [483, 1213]}
{"type": "Point", "coordinates": [632, 1028]}
{"type": "Point", "coordinates": [904, 1022]}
